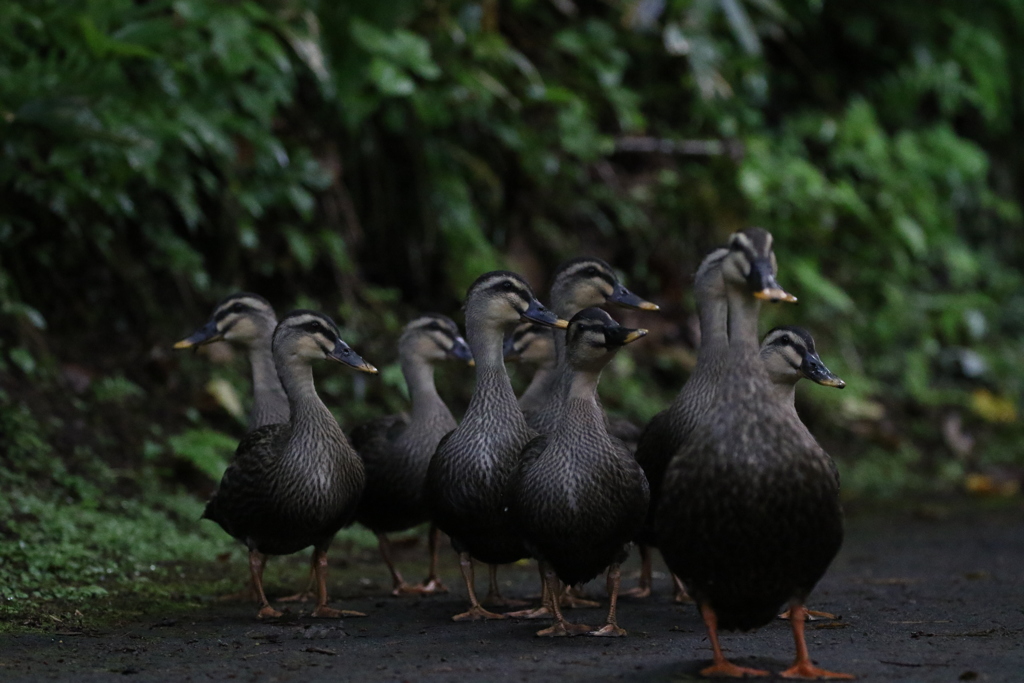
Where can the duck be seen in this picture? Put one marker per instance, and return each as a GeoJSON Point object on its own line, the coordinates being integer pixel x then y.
{"type": "Point", "coordinates": [248, 320]}
{"type": "Point", "coordinates": [468, 475]}
{"type": "Point", "coordinates": [396, 449]}
{"type": "Point", "coordinates": [667, 430]}
{"type": "Point", "coordinates": [294, 484]}
{"type": "Point", "coordinates": [577, 283]}
{"type": "Point", "coordinates": [533, 345]}
{"type": "Point", "coordinates": [749, 515]}
{"type": "Point", "coordinates": [580, 496]}
{"type": "Point", "coordinates": [789, 355]}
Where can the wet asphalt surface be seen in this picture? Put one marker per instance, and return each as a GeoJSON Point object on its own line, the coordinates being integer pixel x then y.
{"type": "Point", "coordinates": [920, 599]}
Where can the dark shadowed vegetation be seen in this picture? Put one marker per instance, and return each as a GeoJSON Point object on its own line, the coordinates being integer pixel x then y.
{"type": "Point", "coordinates": [370, 159]}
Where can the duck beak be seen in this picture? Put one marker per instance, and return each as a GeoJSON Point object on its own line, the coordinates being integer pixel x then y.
{"type": "Point", "coordinates": [763, 285]}
{"type": "Point", "coordinates": [204, 335]}
{"type": "Point", "coordinates": [460, 351]}
{"type": "Point", "coordinates": [536, 313]}
{"type": "Point", "coordinates": [344, 354]}
{"type": "Point", "coordinates": [814, 370]}
{"type": "Point", "coordinates": [620, 336]}
{"type": "Point", "coordinates": [624, 297]}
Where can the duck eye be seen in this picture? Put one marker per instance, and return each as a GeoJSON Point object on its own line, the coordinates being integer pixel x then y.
{"type": "Point", "coordinates": [590, 271]}
{"type": "Point", "coordinates": [507, 286]}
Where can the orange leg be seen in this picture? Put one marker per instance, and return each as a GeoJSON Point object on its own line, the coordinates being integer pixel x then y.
{"type": "Point", "coordinates": [310, 592]}
{"type": "Point", "coordinates": [432, 584]}
{"type": "Point", "coordinates": [475, 611]}
{"type": "Point", "coordinates": [561, 626]}
{"type": "Point", "coordinates": [540, 612]}
{"type": "Point", "coordinates": [398, 584]}
{"type": "Point", "coordinates": [321, 609]}
{"type": "Point", "coordinates": [573, 597]}
{"type": "Point", "coordinates": [494, 597]}
{"type": "Point", "coordinates": [721, 667]}
{"type": "Point", "coordinates": [611, 626]}
{"type": "Point", "coordinates": [681, 594]}
{"type": "Point", "coordinates": [803, 667]}
{"type": "Point", "coordinates": [643, 586]}
{"type": "Point", "coordinates": [257, 561]}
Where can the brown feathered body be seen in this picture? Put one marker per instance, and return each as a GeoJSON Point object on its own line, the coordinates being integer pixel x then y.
{"type": "Point", "coordinates": [749, 515]}
{"type": "Point", "coordinates": [668, 430]}
{"type": "Point", "coordinates": [294, 484]}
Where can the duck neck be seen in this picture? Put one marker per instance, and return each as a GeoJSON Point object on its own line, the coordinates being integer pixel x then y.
{"type": "Point", "coordinates": [743, 315]}
{"type": "Point", "coordinates": [270, 403]}
{"type": "Point", "coordinates": [538, 389]}
{"type": "Point", "coordinates": [784, 394]}
{"type": "Point", "coordinates": [581, 408]}
{"type": "Point", "coordinates": [713, 311]}
{"type": "Point", "coordinates": [565, 309]}
{"type": "Point", "coordinates": [419, 377]}
{"type": "Point", "coordinates": [486, 341]}
{"type": "Point", "coordinates": [308, 412]}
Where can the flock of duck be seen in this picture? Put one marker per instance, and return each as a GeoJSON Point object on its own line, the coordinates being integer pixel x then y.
{"type": "Point", "coordinates": [726, 482]}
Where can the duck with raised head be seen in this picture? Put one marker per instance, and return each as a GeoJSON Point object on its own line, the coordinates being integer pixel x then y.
{"type": "Point", "coordinates": [668, 429]}
{"type": "Point", "coordinates": [396, 449]}
{"type": "Point", "coordinates": [789, 355]}
{"type": "Point", "coordinates": [580, 495]}
{"type": "Point", "coordinates": [248, 320]}
{"type": "Point", "coordinates": [749, 515]}
{"type": "Point", "coordinates": [468, 477]}
{"type": "Point", "coordinates": [294, 484]}
{"type": "Point", "coordinates": [577, 284]}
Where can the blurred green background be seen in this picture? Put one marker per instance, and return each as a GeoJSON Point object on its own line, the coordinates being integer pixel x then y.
{"type": "Point", "coordinates": [370, 159]}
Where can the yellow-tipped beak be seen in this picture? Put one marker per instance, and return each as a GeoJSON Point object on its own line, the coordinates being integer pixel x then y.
{"type": "Point", "coordinates": [561, 324]}
{"type": "Point", "coordinates": [775, 295]}
{"type": "Point", "coordinates": [834, 382]}
{"type": "Point", "coordinates": [184, 344]}
{"type": "Point", "coordinates": [366, 367]}
{"type": "Point", "coordinates": [649, 306]}
{"type": "Point", "coordinates": [634, 335]}
{"type": "Point", "coordinates": [471, 363]}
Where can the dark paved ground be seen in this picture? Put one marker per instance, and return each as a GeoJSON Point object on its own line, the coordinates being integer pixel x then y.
{"type": "Point", "coordinates": [921, 600]}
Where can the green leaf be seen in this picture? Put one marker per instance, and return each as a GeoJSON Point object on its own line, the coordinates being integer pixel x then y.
{"type": "Point", "coordinates": [390, 79]}
{"type": "Point", "coordinates": [207, 449]}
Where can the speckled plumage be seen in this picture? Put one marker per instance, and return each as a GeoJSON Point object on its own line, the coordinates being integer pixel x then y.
{"type": "Point", "coordinates": [749, 514]}
{"type": "Point", "coordinates": [578, 284]}
{"type": "Point", "coordinates": [468, 476]}
{"type": "Point", "coordinates": [668, 430]}
{"type": "Point", "coordinates": [580, 495]}
{"type": "Point", "coordinates": [294, 484]}
{"type": "Point", "coordinates": [396, 449]}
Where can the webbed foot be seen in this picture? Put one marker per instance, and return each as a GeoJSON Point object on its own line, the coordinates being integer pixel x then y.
{"type": "Point", "coordinates": [609, 631]}
{"type": "Point", "coordinates": [564, 628]}
{"type": "Point", "coordinates": [477, 613]}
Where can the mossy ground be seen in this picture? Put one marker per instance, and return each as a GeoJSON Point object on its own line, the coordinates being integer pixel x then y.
{"type": "Point", "coordinates": [91, 536]}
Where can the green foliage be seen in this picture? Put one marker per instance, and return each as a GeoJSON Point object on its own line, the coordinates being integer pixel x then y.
{"type": "Point", "coordinates": [116, 389]}
{"type": "Point", "coordinates": [372, 159]}
{"type": "Point", "coordinates": [209, 450]}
